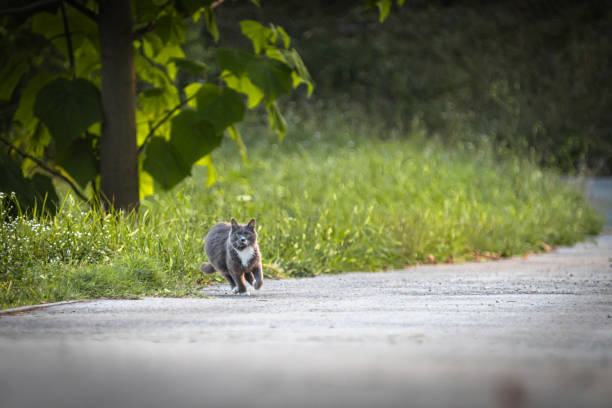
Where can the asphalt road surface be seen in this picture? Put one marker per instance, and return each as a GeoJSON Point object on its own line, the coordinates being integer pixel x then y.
{"type": "Point", "coordinates": [534, 332]}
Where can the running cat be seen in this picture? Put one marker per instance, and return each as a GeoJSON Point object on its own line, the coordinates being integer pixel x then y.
{"type": "Point", "coordinates": [232, 251]}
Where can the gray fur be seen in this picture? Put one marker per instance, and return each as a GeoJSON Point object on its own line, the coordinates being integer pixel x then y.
{"type": "Point", "coordinates": [222, 243]}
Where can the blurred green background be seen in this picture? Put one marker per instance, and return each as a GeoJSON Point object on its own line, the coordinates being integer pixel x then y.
{"type": "Point", "coordinates": [529, 75]}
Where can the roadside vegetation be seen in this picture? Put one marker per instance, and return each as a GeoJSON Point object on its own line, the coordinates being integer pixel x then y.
{"type": "Point", "coordinates": [445, 134]}
{"type": "Point", "coordinates": [343, 196]}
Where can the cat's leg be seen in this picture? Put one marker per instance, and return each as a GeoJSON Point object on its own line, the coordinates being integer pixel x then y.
{"type": "Point", "coordinates": [241, 284]}
{"type": "Point", "coordinates": [258, 275]}
{"type": "Point", "coordinates": [230, 280]}
{"type": "Point", "coordinates": [249, 278]}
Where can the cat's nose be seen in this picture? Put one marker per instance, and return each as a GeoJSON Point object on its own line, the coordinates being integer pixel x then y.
{"type": "Point", "coordinates": [243, 240]}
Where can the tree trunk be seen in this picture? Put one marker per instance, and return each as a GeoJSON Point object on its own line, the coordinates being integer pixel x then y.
{"type": "Point", "coordinates": [118, 150]}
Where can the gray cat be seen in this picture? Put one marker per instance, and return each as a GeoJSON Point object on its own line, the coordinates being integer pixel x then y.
{"type": "Point", "coordinates": [232, 251]}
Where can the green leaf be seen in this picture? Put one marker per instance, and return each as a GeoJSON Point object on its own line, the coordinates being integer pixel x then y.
{"type": "Point", "coordinates": [284, 36]}
{"type": "Point", "coordinates": [211, 174]}
{"type": "Point", "coordinates": [190, 90]}
{"type": "Point", "coordinates": [25, 111]}
{"type": "Point", "coordinates": [234, 64]}
{"type": "Point", "coordinates": [145, 11]}
{"type": "Point", "coordinates": [51, 26]}
{"type": "Point", "coordinates": [219, 106]}
{"type": "Point", "coordinates": [168, 53]}
{"type": "Point", "coordinates": [142, 127]}
{"type": "Point", "coordinates": [150, 73]}
{"type": "Point", "coordinates": [163, 28]}
{"type": "Point", "coordinates": [33, 142]}
{"type": "Point", "coordinates": [11, 71]}
{"type": "Point", "coordinates": [211, 23]}
{"type": "Point", "coordinates": [87, 58]}
{"type": "Point", "coordinates": [277, 122]}
{"type": "Point", "coordinates": [29, 191]}
{"type": "Point", "coordinates": [151, 44]}
{"type": "Point", "coordinates": [47, 24]}
{"type": "Point", "coordinates": [235, 136]}
{"type": "Point", "coordinates": [192, 136]}
{"type": "Point", "coordinates": [235, 61]}
{"type": "Point", "coordinates": [384, 7]}
{"type": "Point", "coordinates": [300, 74]}
{"type": "Point", "coordinates": [68, 108]}
{"type": "Point", "coordinates": [156, 101]}
{"type": "Point", "coordinates": [271, 76]}
{"type": "Point", "coordinates": [79, 161]}
{"type": "Point", "coordinates": [145, 185]}
{"type": "Point", "coordinates": [190, 66]}
{"type": "Point", "coordinates": [164, 163]}
{"type": "Point", "coordinates": [260, 36]}
{"type": "Point", "coordinates": [243, 85]}
{"type": "Point", "coordinates": [145, 181]}
{"type": "Point", "coordinates": [171, 29]}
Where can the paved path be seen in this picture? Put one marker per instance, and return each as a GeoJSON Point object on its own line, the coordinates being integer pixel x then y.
{"type": "Point", "coordinates": [533, 332]}
{"type": "Point", "coordinates": [523, 332]}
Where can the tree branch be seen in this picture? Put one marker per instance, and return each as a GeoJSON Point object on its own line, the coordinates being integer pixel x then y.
{"type": "Point", "coordinates": [161, 122]}
{"type": "Point", "coordinates": [38, 5]}
{"type": "Point", "coordinates": [68, 38]}
{"type": "Point", "coordinates": [56, 36]}
{"type": "Point", "coordinates": [143, 30]}
{"type": "Point", "coordinates": [48, 169]}
{"type": "Point", "coordinates": [83, 9]}
{"type": "Point", "coordinates": [151, 25]}
{"type": "Point", "coordinates": [35, 6]}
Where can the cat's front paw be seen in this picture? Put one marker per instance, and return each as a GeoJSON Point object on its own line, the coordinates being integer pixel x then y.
{"type": "Point", "coordinates": [245, 293]}
{"type": "Point", "coordinates": [235, 290]}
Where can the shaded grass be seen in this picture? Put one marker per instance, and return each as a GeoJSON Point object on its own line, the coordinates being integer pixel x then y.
{"type": "Point", "coordinates": [321, 207]}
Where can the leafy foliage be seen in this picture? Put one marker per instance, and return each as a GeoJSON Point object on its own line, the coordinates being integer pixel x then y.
{"type": "Point", "coordinates": [221, 107]}
{"type": "Point", "coordinates": [181, 115]}
{"type": "Point", "coordinates": [529, 75]}
{"type": "Point", "coordinates": [68, 108]}
{"type": "Point", "coordinates": [32, 191]}
{"type": "Point", "coordinates": [384, 7]}
{"type": "Point", "coordinates": [164, 163]}
{"type": "Point", "coordinates": [193, 136]}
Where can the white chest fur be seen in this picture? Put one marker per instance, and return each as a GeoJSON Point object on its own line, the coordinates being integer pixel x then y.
{"type": "Point", "coordinates": [245, 255]}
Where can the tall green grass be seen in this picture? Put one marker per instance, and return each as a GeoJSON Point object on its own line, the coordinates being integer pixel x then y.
{"type": "Point", "coordinates": [349, 204]}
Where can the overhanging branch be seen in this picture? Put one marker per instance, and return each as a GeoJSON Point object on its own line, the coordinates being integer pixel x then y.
{"type": "Point", "coordinates": [68, 38]}
{"type": "Point", "coordinates": [39, 5]}
{"type": "Point", "coordinates": [46, 168]}
{"type": "Point", "coordinates": [83, 9]}
{"type": "Point", "coordinates": [161, 122]}
{"type": "Point", "coordinates": [35, 6]}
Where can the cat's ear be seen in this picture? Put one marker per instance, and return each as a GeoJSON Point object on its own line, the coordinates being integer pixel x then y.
{"type": "Point", "coordinates": [234, 224]}
{"type": "Point", "coordinates": [251, 224]}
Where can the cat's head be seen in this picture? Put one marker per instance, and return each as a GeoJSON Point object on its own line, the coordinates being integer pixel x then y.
{"type": "Point", "coordinates": [242, 236]}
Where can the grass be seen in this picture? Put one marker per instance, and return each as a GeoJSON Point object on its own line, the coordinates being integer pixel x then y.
{"type": "Point", "coordinates": [352, 203]}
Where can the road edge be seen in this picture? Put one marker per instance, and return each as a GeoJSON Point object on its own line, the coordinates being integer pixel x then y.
{"type": "Point", "coordinates": [26, 309]}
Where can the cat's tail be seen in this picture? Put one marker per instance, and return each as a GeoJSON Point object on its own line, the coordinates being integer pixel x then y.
{"type": "Point", "coordinates": [207, 268]}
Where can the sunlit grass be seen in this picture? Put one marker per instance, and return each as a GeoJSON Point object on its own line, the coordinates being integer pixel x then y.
{"type": "Point", "coordinates": [321, 207]}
